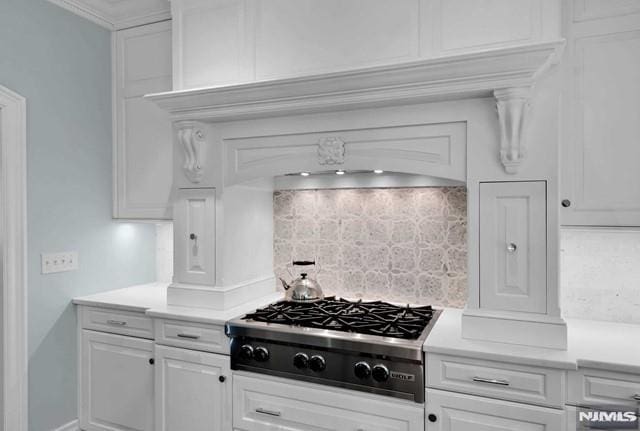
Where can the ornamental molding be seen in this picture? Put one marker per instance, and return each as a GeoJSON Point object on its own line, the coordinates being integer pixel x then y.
{"type": "Point", "coordinates": [331, 151]}
{"type": "Point", "coordinates": [513, 106]}
{"type": "Point", "coordinates": [191, 137]}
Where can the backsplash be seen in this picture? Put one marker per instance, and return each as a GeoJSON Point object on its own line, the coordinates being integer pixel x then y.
{"type": "Point", "coordinates": [406, 244]}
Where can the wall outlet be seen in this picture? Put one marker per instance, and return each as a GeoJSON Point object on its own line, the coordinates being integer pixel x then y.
{"type": "Point", "coordinates": [59, 262]}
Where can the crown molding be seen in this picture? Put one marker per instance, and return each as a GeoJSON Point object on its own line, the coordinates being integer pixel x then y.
{"type": "Point", "coordinates": [454, 77]}
{"type": "Point", "coordinates": [118, 15]}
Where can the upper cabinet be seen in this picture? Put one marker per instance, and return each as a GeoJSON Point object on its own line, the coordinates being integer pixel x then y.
{"type": "Point", "coordinates": [222, 42]}
{"type": "Point", "coordinates": [142, 141]}
{"type": "Point", "coordinates": [601, 148]}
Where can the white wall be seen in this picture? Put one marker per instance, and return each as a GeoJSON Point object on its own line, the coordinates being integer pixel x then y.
{"type": "Point", "coordinates": [600, 274]}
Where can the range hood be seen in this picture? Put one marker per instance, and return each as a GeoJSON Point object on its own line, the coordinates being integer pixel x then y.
{"type": "Point", "coordinates": [433, 117]}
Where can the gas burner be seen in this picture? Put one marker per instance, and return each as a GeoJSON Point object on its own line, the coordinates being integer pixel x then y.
{"type": "Point", "coordinates": [371, 318]}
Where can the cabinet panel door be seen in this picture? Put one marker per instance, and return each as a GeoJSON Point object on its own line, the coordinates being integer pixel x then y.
{"type": "Point", "coordinates": [116, 383]}
{"type": "Point", "coordinates": [189, 392]}
{"type": "Point", "coordinates": [450, 411]}
{"type": "Point", "coordinates": [513, 246]}
{"type": "Point", "coordinates": [142, 131]}
{"type": "Point", "coordinates": [601, 179]}
{"type": "Point", "coordinates": [194, 237]}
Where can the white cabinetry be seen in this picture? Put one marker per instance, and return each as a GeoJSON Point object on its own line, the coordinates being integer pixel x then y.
{"type": "Point", "coordinates": [513, 246]}
{"type": "Point", "coordinates": [142, 132]}
{"type": "Point", "coordinates": [193, 390]}
{"type": "Point", "coordinates": [601, 179]}
{"type": "Point", "coordinates": [448, 411]}
{"type": "Point", "coordinates": [221, 42]}
{"type": "Point", "coordinates": [265, 404]}
{"type": "Point", "coordinates": [116, 382]}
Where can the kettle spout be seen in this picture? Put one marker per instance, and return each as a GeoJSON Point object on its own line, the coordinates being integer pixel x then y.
{"type": "Point", "coordinates": [285, 284]}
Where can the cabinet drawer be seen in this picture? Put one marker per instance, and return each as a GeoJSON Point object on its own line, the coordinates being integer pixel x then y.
{"type": "Point", "coordinates": [116, 322]}
{"type": "Point", "coordinates": [268, 403]}
{"type": "Point", "coordinates": [196, 336]}
{"type": "Point", "coordinates": [448, 411]}
{"type": "Point", "coordinates": [497, 379]}
{"type": "Point", "coordinates": [589, 387]}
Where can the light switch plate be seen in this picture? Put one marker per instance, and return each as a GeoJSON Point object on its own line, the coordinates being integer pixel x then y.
{"type": "Point", "coordinates": [59, 262]}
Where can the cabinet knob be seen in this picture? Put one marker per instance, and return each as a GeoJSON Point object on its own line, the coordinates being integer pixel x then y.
{"type": "Point", "coordinates": [566, 203]}
{"type": "Point", "coordinates": [511, 247]}
{"type": "Point", "coordinates": [152, 361]}
{"type": "Point", "coordinates": [432, 418]}
{"type": "Point", "coordinates": [193, 236]}
{"type": "Point", "coordinates": [222, 379]}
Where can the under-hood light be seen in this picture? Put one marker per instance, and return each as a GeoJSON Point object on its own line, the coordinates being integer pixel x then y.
{"type": "Point", "coordinates": [304, 174]}
{"type": "Point", "coordinates": [339, 172]}
{"type": "Point", "coordinates": [378, 171]}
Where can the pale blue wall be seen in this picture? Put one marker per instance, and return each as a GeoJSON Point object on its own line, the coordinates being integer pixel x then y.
{"type": "Point", "coordinates": [61, 64]}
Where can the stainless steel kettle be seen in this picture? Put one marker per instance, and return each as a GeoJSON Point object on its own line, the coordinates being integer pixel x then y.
{"type": "Point", "coordinates": [303, 288]}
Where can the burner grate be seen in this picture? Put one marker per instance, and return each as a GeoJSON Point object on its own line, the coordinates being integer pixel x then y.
{"type": "Point", "coordinates": [373, 318]}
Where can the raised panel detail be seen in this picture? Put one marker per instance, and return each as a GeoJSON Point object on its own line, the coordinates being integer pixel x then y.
{"type": "Point", "coordinates": [460, 412]}
{"type": "Point", "coordinates": [142, 131]}
{"type": "Point", "coordinates": [437, 150]}
{"type": "Point", "coordinates": [604, 179]}
{"type": "Point", "coordinates": [595, 387]}
{"type": "Point", "coordinates": [212, 43]}
{"type": "Point", "coordinates": [189, 392]}
{"type": "Point", "coordinates": [592, 9]}
{"type": "Point", "coordinates": [333, 35]}
{"type": "Point", "coordinates": [194, 237]}
{"type": "Point", "coordinates": [513, 246]}
{"type": "Point", "coordinates": [466, 24]}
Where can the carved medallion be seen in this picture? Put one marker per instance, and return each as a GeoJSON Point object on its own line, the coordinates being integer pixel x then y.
{"type": "Point", "coordinates": [331, 151]}
{"type": "Point", "coordinates": [191, 138]}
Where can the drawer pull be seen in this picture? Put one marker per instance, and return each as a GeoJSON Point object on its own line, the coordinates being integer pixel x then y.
{"type": "Point", "coordinates": [636, 397]}
{"type": "Point", "coordinates": [491, 381]}
{"type": "Point", "coordinates": [117, 322]}
{"type": "Point", "coordinates": [268, 412]}
{"type": "Point", "coordinates": [189, 336]}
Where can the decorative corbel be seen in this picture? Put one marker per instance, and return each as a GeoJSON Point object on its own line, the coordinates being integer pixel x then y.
{"type": "Point", "coordinates": [513, 105]}
{"type": "Point", "coordinates": [331, 151]}
{"type": "Point", "coordinates": [191, 137]}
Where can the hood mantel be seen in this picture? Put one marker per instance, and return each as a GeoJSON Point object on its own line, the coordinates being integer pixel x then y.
{"type": "Point", "coordinates": [508, 74]}
{"type": "Point", "coordinates": [445, 78]}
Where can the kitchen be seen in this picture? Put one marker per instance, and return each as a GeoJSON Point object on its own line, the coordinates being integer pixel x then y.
{"type": "Point", "coordinates": [443, 193]}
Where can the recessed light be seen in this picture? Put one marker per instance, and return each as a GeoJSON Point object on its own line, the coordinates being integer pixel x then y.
{"type": "Point", "coordinates": [378, 171]}
{"type": "Point", "coordinates": [304, 174]}
{"type": "Point", "coordinates": [339, 172]}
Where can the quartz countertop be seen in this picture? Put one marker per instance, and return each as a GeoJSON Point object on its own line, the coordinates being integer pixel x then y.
{"type": "Point", "coordinates": [151, 299]}
{"type": "Point", "coordinates": [591, 344]}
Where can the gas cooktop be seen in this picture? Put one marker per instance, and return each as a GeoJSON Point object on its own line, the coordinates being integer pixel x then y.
{"type": "Point", "coordinates": [372, 318]}
{"type": "Point", "coordinates": [366, 346]}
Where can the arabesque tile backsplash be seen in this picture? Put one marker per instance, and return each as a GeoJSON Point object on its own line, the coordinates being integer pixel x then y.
{"type": "Point", "coordinates": [405, 244]}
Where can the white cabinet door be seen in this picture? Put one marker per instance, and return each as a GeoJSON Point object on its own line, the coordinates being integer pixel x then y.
{"type": "Point", "coordinates": [193, 390]}
{"type": "Point", "coordinates": [449, 411]}
{"type": "Point", "coordinates": [600, 175]}
{"type": "Point", "coordinates": [513, 246]}
{"type": "Point", "coordinates": [116, 383]}
{"type": "Point", "coordinates": [142, 148]}
{"type": "Point", "coordinates": [194, 255]}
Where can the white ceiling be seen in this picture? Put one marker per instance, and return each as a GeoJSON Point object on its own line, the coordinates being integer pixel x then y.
{"type": "Point", "coordinates": [118, 14]}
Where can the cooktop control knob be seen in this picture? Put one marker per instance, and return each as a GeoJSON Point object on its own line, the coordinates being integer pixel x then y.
{"type": "Point", "coordinates": [362, 370]}
{"type": "Point", "coordinates": [380, 373]}
{"type": "Point", "coordinates": [246, 352]}
{"type": "Point", "coordinates": [301, 361]}
{"type": "Point", "coordinates": [317, 363]}
{"type": "Point", "coordinates": [261, 354]}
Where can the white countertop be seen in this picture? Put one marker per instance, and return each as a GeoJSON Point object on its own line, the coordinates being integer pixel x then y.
{"type": "Point", "coordinates": [592, 344]}
{"type": "Point", "coordinates": [151, 299]}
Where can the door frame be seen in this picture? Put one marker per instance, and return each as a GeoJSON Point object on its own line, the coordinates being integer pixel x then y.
{"type": "Point", "coordinates": [13, 267]}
